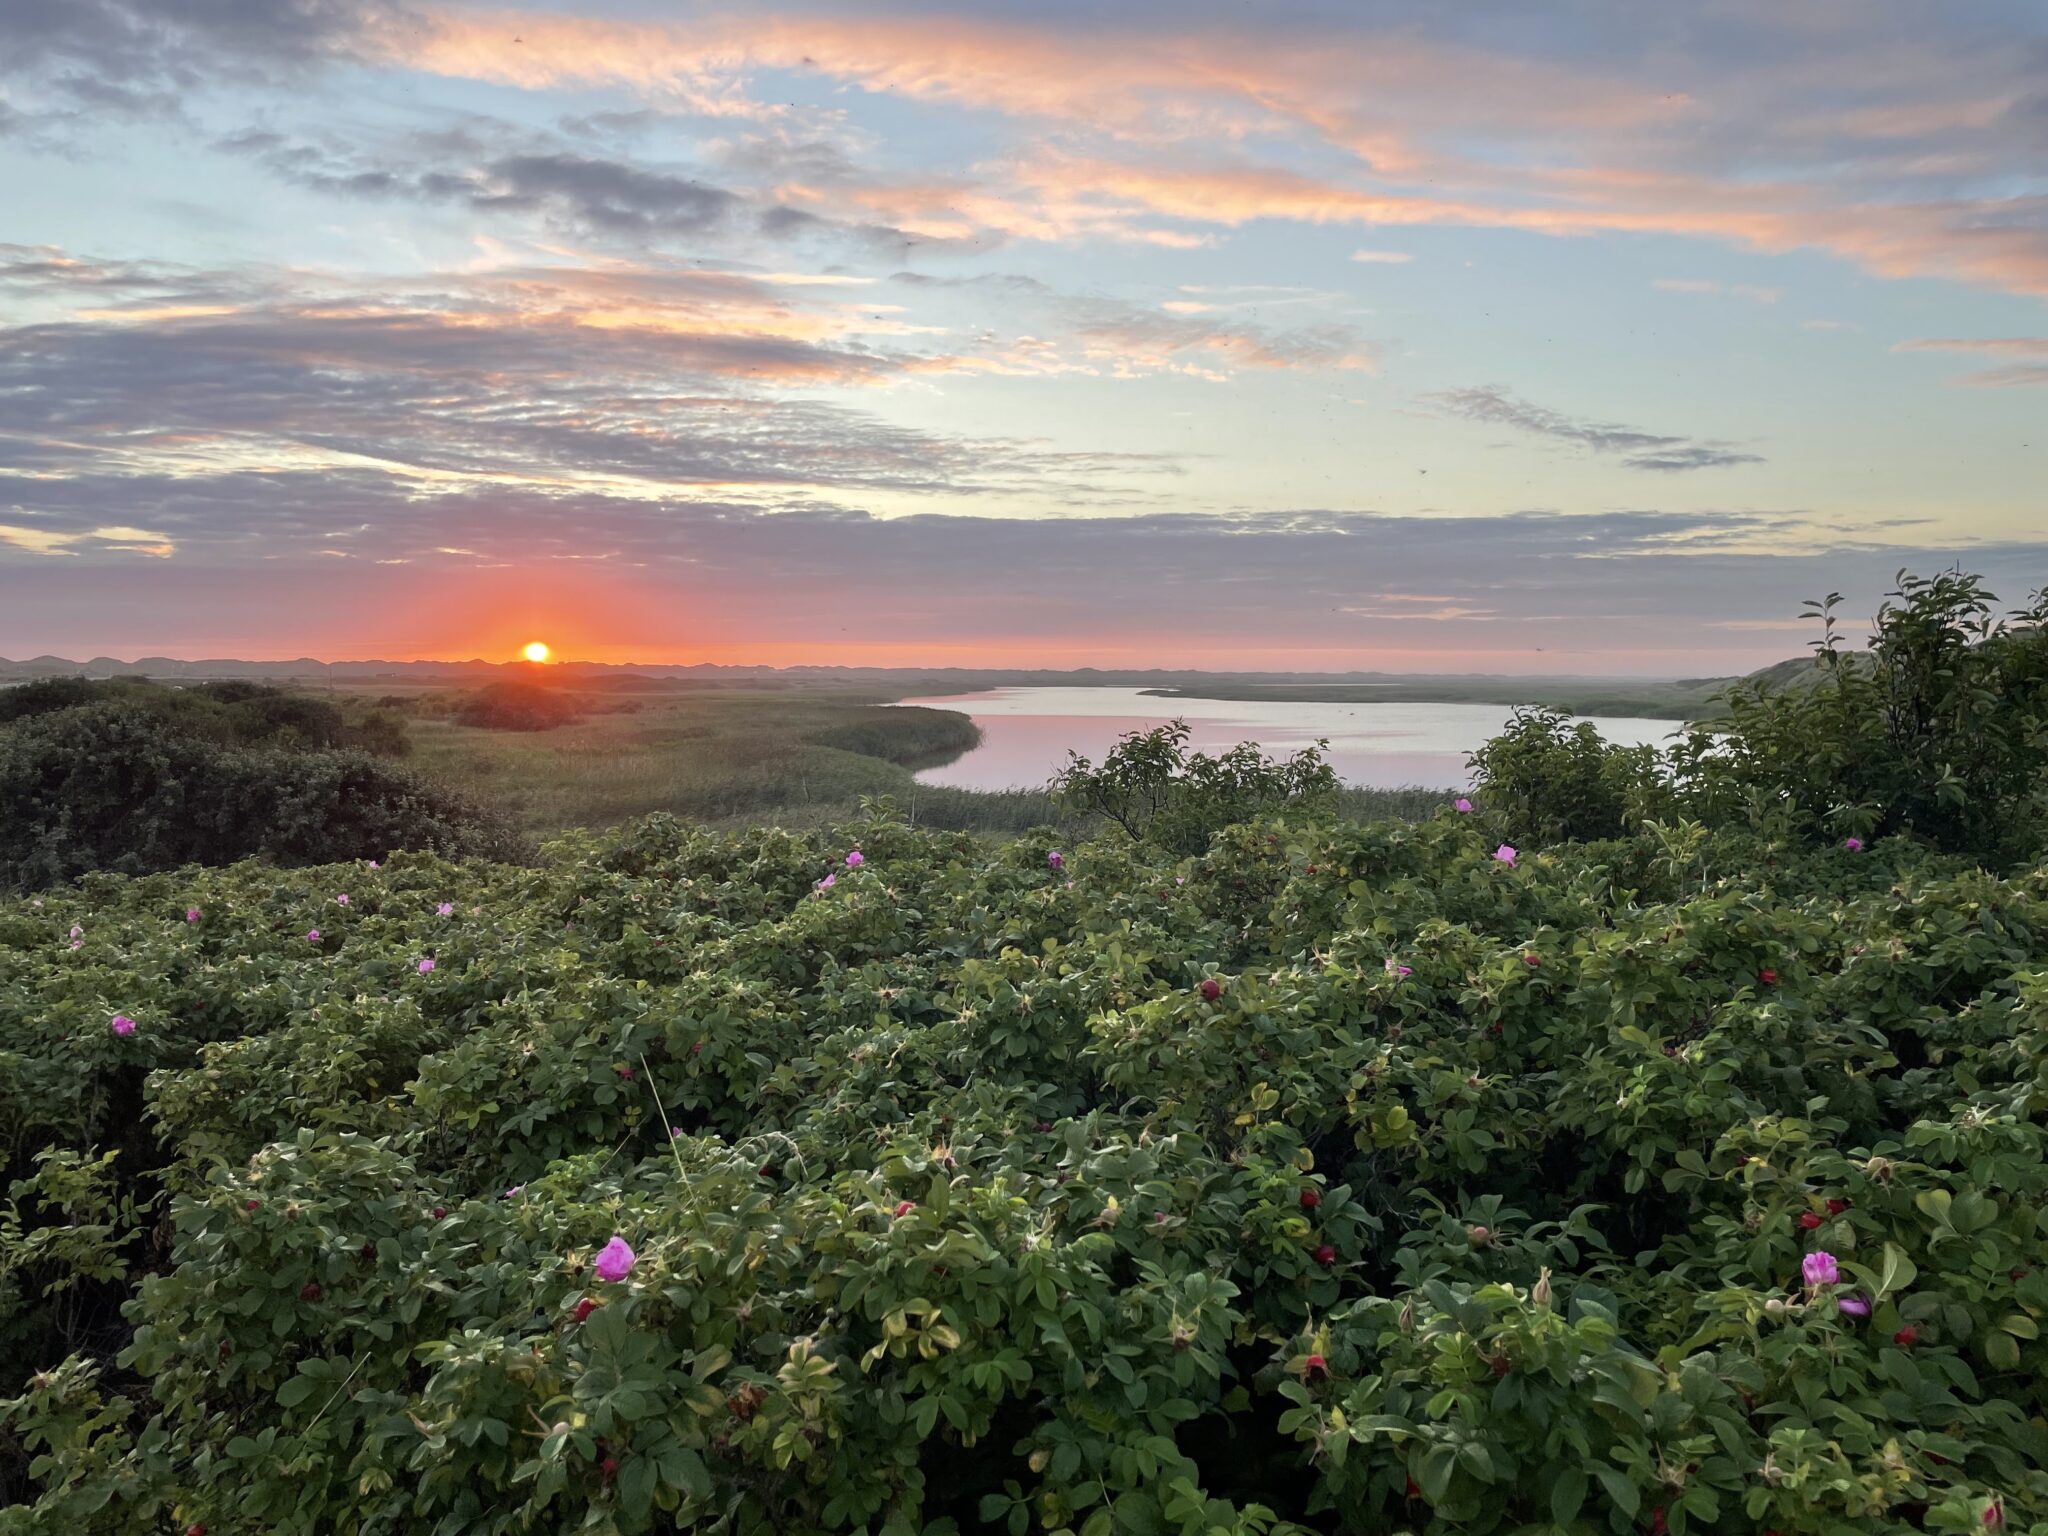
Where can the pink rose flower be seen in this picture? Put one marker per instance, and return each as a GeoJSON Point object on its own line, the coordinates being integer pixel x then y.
{"type": "Point", "coordinates": [616, 1260]}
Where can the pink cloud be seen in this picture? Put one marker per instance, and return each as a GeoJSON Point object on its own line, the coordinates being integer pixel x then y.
{"type": "Point", "coordinates": [1412, 130]}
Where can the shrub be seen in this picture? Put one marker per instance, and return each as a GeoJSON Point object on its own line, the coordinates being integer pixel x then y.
{"type": "Point", "coordinates": [1545, 779]}
{"type": "Point", "coordinates": [47, 694]}
{"type": "Point", "coordinates": [515, 706]}
{"type": "Point", "coordinates": [910, 736]}
{"type": "Point", "coordinates": [234, 712]}
{"type": "Point", "coordinates": [1153, 788]}
{"type": "Point", "coordinates": [1337, 1179]}
{"type": "Point", "coordinates": [1938, 729]}
{"type": "Point", "coordinates": [106, 787]}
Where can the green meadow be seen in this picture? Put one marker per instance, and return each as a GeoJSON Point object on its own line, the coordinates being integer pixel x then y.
{"type": "Point", "coordinates": [798, 757]}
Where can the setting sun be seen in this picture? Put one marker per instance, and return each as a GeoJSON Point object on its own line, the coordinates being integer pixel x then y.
{"type": "Point", "coordinates": [536, 650]}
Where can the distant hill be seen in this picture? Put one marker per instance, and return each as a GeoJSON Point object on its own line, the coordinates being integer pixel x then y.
{"type": "Point", "coordinates": [590, 673]}
{"type": "Point", "coordinates": [1803, 671]}
{"type": "Point", "coordinates": [1668, 698]}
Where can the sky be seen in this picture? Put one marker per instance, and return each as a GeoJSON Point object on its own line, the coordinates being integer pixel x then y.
{"type": "Point", "coordinates": [1571, 336]}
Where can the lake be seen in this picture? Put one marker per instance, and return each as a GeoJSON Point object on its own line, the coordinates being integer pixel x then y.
{"type": "Point", "coordinates": [1027, 733]}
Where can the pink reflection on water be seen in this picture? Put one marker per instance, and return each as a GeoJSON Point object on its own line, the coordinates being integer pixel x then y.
{"type": "Point", "coordinates": [1028, 732]}
{"type": "Point", "coordinates": [1023, 751]}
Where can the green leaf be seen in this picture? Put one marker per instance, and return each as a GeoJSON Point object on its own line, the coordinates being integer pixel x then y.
{"type": "Point", "coordinates": [1899, 1271]}
{"type": "Point", "coordinates": [296, 1391]}
{"type": "Point", "coordinates": [1567, 1495]}
{"type": "Point", "coordinates": [1621, 1492]}
{"type": "Point", "coordinates": [2002, 1350]}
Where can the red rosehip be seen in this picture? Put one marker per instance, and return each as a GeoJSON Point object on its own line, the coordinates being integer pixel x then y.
{"type": "Point", "coordinates": [1414, 1489]}
{"type": "Point", "coordinates": [905, 1207]}
{"type": "Point", "coordinates": [1211, 989]}
{"type": "Point", "coordinates": [195, 1529]}
{"type": "Point", "coordinates": [1657, 1524]}
{"type": "Point", "coordinates": [310, 1291]}
{"type": "Point", "coordinates": [1532, 961]}
{"type": "Point", "coordinates": [440, 1213]}
{"type": "Point", "coordinates": [584, 1308]}
{"type": "Point", "coordinates": [1809, 1219]}
{"type": "Point", "coordinates": [1326, 1255]}
{"type": "Point", "coordinates": [1836, 1207]}
{"type": "Point", "coordinates": [1044, 1126]}
{"type": "Point", "coordinates": [252, 1205]}
{"type": "Point", "coordinates": [697, 1049]}
{"type": "Point", "coordinates": [610, 1467]}
{"type": "Point", "coordinates": [625, 1074]}
{"type": "Point", "coordinates": [226, 1348]}
{"type": "Point", "coordinates": [1767, 976]}
{"type": "Point", "coordinates": [1906, 1337]}
{"type": "Point", "coordinates": [1315, 1368]}
{"type": "Point", "coordinates": [1310, 1199]}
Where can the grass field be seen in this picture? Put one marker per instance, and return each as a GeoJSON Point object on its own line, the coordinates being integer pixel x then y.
{"type": "Point", "coordinates": [727, 756]}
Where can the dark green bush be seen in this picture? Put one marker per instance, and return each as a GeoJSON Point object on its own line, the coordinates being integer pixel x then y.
{"type": "Point", "coordinates": [47, 694]}
{"type": "Point", "coordinates": [235, 712]}
{"type": "Point", "coordinates": [109, 787]}
{"type": "Point", "coordinates": [1545, 779]}
{"type": "Point", "coordinates": [1468, 1197]}
{"type": "Point", "coordinates": [1157, 791]}
{"type": "Point", "coordinates": [910, 736]}
{"type": "Point", "coordinates": [1939, 729]}
{"type": "Point", "coordinates": [515, 706]}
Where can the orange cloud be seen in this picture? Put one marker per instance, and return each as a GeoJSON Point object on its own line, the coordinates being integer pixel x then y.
{"type": "Point", "coordinates": [1541, 145]}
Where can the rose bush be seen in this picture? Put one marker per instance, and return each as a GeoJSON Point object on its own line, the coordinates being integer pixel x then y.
{"type": "Point", "coordinates": [1475, 1195]}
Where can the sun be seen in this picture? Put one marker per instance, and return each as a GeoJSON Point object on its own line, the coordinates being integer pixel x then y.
{"type": "Point", "coordinates": [536, 650]}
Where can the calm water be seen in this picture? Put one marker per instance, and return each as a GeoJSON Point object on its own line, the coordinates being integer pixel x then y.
{"type": "Point", "coordinates": [1027, 733]}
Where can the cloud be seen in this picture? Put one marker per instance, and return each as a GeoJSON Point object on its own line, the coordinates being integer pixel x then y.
{"type": "Point", "coordinates": [1384, 258]}
{"type": "Point", "coordinates": [491, 168]}
{"type": "Point", "coordinates": [1636, 449]}
{"type": "Point", "coordinates": [700, 575]}
{"type": "Point", "coordinates": [80, 58]}
{"type": "Point", "coordinates": [598, 194]}
{"type": "Point", "coordinates": [2025, 346]}
{"type": "Point", "coordinates": [1054, 332]}
{"type": "Point", "coordinates": [48, 541]}
{"type": "Point", "coordinates": [1908, 151]}
{"type": "Point", "coordinates": [2008, 376]}
{"type": "Point", "coordinates": [1747, 291]}
{"type": "Point", "coordinates": [1442, 614]}
{"type": "Point", "coordinates": [640, 381]}
{"type": "Point", "coordinates": [147, 386]}
{"type": "Point", "coordinates": [1903, 157]}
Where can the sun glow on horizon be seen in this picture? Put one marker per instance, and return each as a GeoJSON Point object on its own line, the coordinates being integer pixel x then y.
{"type": "Point", "coordinates": [536, 650]}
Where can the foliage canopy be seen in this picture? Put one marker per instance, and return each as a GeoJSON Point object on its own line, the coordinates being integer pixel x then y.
{"type": "Point", "coordinates": [108, 786]}
{"type": "Point", "coordinates": [1143, 1194]}
{"type": "Point", "coordinates": [1153, 788]}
